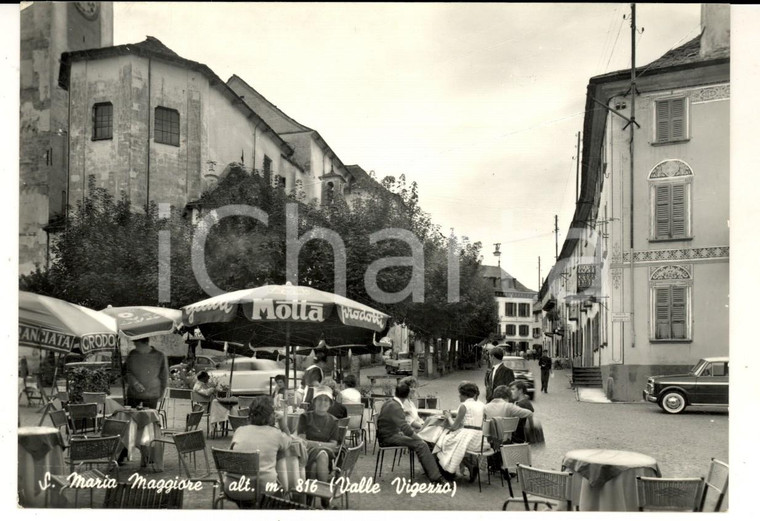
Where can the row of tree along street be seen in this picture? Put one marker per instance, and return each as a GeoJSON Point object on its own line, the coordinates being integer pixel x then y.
{"type": "Point", "coordinates": [108, 254]}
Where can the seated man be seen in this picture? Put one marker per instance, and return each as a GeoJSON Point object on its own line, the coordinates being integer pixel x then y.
{"type": "Point", "coordinates": [394, 430]}
{"type": "Point", "coordinates": [499, 407]}
{"type": "Point", "coordinates": [519, 396]}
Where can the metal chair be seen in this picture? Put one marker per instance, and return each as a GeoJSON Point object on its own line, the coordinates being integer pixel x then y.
{"type": "Point", "coordinates": [331, 491]}
{"type": "Point", "coordinates": [59, 419]}
{"type": "Point", "coordinates": [83, 412]}
{"type": "Point", "coordinates": [380, 458]}
{"type": "Point", "coordinates": [716, 486]}
{"type": "Point", "coordinates": [189, 444]}
{"type": "Point", "coordinates": [124, 495]}
{"type": "Point", "coordinates": [244, 402]}
{"type": "Point", "coordinates": [511, 456]}
{"type": "Point", "coordinates": [548, 484]}
{"type": "Point", "coordinates": [356, 430]}
{"type": "Point", "coordinates": [192, 421]}
{"type": "Point", "coordinates": [231, 466]}
{"type": "Point", "coordinates": [89, 452]}
{"type": "Point", "coordinates": [238, 421]}
{"type": "Point", "coordinates": [668, 494]}
{"type": "Point", "coordinates": [161, 409]}
{"type": "Point", "coordinates": [485, 451]}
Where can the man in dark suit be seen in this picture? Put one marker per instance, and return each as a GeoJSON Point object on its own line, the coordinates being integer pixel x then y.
{"type": "Point", "coordinates": [393, 430]}
{"type": "Point", "coordinates": [498, 374]}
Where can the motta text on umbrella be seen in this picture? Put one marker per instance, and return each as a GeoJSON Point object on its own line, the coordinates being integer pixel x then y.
{"type": "Point", "coordinates": [288, 310]}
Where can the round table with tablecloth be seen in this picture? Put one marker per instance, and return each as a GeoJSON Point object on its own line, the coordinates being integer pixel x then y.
{"type": "Point", "coordinates": [605, 480]}
{"type": "Point", "coordinates": [144, 427]}
{"type": "Point", "coordinates": [40, 450]}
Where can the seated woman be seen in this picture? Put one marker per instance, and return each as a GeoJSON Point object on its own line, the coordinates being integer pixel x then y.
{"type": "Point", "coordinates": [320, 429]}
{"type": "Point", "coordinates": [278, 393]}
{"type": "Point", "coordinates": [272, 443]}
{"type": "Point", "coordinates": [410, 404]}
{"type": "Point", "coordinates": [203, 391]}
{"type": "Point", "coordinates": [464, 433]}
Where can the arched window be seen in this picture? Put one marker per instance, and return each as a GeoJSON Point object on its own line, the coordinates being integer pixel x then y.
{"type": "Point", "coordinates": [670, 201]}
{"type": "Point", "coordinates": [670, 303]}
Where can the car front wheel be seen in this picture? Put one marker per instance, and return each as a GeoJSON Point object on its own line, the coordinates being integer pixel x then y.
{"type": "Point", "coordinates": [673, 402]}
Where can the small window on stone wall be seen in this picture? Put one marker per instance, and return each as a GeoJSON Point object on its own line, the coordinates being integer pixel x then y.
{"type": "Point", "coordinates": [102, 121]}
{"type": "Point", "coordinates": [166, 126]}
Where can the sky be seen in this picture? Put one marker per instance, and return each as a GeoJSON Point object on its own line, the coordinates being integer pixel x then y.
{"type": "Point", "coordinates": [478, 103]}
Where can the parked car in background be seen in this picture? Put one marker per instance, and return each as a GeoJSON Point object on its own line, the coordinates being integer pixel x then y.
{"type": "Point", "coordinates": [202, 363]}
{"type": "Point", "coordinates": [519, 366]}
{"type": "Point", "coordinates": [250, 375]}
{"type": "Point", "coordinates": [706, 384]}
{"type": "Point", "coordinates": [398, 363]}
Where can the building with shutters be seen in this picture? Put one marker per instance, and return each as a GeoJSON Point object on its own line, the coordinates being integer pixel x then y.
{"type": "Point", "coordinates": [642, 282]}
{"type": "Point", "coordinates": [518, 326]}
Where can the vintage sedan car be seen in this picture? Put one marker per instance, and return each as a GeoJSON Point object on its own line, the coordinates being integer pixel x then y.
{"type": "Point", "coordinates": [250, 375]}
{"type": "Point", "coordinates": [398, 363]}
{"type": "Point", "coordinates": [706, 384]}
{"type": "Point", "coordinates": [202, 363]}
{"type": "Point", "coordinates": [519, 366]}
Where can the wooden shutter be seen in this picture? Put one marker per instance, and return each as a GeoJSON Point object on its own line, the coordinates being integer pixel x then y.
{"type": "Point", "coordinates": [662, 313]}
{"type": "Point", "coordinates": [678, 312]}
{"type": "Point", "coordinates": [663, 121]}
{"type": "Point", "coordinates": [677, 119]}
{"type": "Point", "coordinates": [662, 211]}
{"type": "Point", "coordinates": [678, 211]}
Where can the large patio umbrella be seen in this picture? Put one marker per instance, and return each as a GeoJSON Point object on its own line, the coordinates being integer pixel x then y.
{"type": "Point", "coordinates": [59, 326]}
{"type": "Point", "coordinates": [284, 315]}
{"type": "Point", "coordinates": [138, 322]}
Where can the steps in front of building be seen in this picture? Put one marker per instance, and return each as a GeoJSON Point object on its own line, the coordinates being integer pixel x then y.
{"type": "Point", "coordinates": [587, 377]}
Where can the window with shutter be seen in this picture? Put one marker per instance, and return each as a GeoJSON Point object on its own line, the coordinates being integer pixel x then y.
{"type": "Point", "coordinates": [670, 213]}
{"type": "Point", "coordinates": [670, 120]}
{"type": "Point", "coordinates": [670, 313]}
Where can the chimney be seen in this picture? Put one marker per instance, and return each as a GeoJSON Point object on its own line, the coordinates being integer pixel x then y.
{"type": "Point", "coordinates": [716, 29]}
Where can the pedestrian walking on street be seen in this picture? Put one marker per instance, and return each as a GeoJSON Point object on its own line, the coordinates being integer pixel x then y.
{"type": "Point", "coordinates": [498, 375]}
{"type": "Point", "coordinates": [545, 363]}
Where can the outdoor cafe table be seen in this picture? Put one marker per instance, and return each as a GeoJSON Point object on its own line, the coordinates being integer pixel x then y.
{"type": "Point", "coordinates": [605, 480]}
{"type": "Point", "coordinates": [219, 410]}
{"type": "Point", "coordinates": [40, 450]}
{"type": "Point", "coordinates": [144, 427]}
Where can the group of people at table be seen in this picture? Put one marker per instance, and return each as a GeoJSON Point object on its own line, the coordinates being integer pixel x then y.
{"type": "Point", "coordinates": [440, 442]}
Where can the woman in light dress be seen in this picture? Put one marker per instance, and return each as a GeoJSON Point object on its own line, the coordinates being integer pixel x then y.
{"type": "Point", "coordinates": [463, 433]}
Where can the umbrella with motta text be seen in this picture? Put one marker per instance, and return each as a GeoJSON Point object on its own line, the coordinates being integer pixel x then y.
{"type": "Point", "coordinates": [284, 315]}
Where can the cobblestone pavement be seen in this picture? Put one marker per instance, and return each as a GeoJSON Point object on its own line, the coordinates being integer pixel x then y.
{"type": "Point", "coordinates": [682, 444]}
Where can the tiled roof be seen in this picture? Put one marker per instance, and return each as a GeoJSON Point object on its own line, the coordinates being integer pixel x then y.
{"type": "Point", "coordinates": [509, 284]}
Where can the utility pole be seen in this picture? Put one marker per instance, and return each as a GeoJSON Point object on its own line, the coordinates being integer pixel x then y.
{"type": "Point", "coordinates": [539, 273]}
{"type": "Point", "coordinates": [633, 125]}
{"type": "Point", "coordinates": [556, 244]}
{"type": "Point", "coordinates": [577, 165]}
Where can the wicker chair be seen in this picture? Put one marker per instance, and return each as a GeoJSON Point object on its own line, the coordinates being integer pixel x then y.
{"type": "Point", "coordinates": [238, 421]}
{"type": "Point", "coordinates": [511, 456]}
{"type": "Point", "coordinates": [125, 496]}
{"type": "Point", "coordinates": [59, 419]}
{"type": "Point", "coordinates": [89, 452]}
{"type": "Point", "coordinates": [83, 412]}
{"type": "Point", "coordinates": [716, 486]}
{"type": "Point", "coordinates": [232, 465]}
{"type": "Point", "coordinates": [356, 430]}
{"type": "Point", "coordinates": [329, 492]}
{"type": "Point", "coordinates": [548, 484]}
{"type": "Point", "coordinates": [669, 494]}
{"type": "Point", "coordinates": [100, 400]}
{"type": "Point", "coordinates": [192, 421]}
{"type": "Point", "coordinates": [485, 451]}
{"type": "Point", "coordinates": [189, 444]}
{"type": "Point", "coordinates": [244, 402]}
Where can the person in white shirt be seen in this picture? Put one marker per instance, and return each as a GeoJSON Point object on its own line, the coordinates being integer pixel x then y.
{"type": "Point", "coordinates": [499, 407]}
{"type": "Point", "coordinates": [350, 394]}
